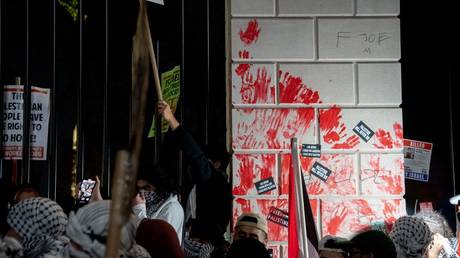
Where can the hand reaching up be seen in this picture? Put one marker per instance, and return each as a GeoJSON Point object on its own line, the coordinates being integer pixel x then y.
{"type": "Point", "coordinates": [165, 111]}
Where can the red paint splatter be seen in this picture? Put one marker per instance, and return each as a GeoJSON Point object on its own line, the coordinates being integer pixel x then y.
{"type": "Point", "coordinates": [253, 168]}
{"type": "Point", "coordinates": [374, 163]}
{"type": "Point", "coordinates": [252, 90]}
{"type": "Point", "coordinates": [364, 208]}
{"type": "Point", "coordinates": [349, 143]}
{"type": "Point", "coordinates": [390, 214]}
{"type": "Point", "coordinates": [334, 130]}
{"type": "Point", "coordinates": [245, 173]}
{"type": "Point", "coordinates": [242, 69]}
{"type": "Point", "coordinates": [272, 128]}
{"type": "Point", "coordinates": [293, 90]}
{"type": "Point", "coordinates": [334, 136]}
{"type": "Point", "coordinates": [244, 54]}
{"type": "Point", "coordinates": [285, 164]}
{"type": "Point", "coordinates": [382, 179]}
{"type": "Point", "coordinates": [258, 90]}
{"type": "Point", "coordinates": [385, 139]}
{"type": "Point", "coordinates": [251, 34]}
{"type": "Point", "coordinates": [314, 188]}
{"type": "Point", "coordinates": [335, 221]}
{"type": "Point", "coordinates": [330, 119]}
{"type": "Point", "coordinates": [393, 185]}
{"type": "Point", "coordinates": [397, 127]}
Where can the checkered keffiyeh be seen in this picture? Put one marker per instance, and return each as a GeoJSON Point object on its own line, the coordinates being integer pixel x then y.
{"type": "Point", "coordinates": [41, 223]}
{"type": "Point", "coordinates": [153, 201]}
{"type": "Point", "coordinates": [10, 247]}
{"type": "Point", "coordinates": [194, 249]}
{"type": "Point", "coordinates": [411, 236]}
{"type": "Point", "coordinates": [89, 229]}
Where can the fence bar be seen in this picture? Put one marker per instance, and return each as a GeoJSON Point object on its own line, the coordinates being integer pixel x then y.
{"type": "Point", "coordinates": [105, 176]}
{"type": "Point", "coordinates": [80, 132]}
{"type": "Point", "coordinates": [53, 129]}
{"type": "Point", "coordinates": [26, 110]}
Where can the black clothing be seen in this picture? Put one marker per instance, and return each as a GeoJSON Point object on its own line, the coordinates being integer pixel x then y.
{"type": "Point", "coordinates": [213, 191]}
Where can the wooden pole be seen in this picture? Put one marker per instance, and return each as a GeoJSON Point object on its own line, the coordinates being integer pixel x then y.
{"type": "Point", "coordinates": [153, 57]}
{"type": "Point", "coordinates": [119, 215]}
{"type": "Point", "coordinates": [127, 162]}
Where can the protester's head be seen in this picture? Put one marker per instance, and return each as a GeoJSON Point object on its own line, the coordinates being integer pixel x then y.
{"type": "Point", "coordinates": [333, 247]}
{"type": "Point", "coordinates": [25, 191]}
{"type": "Point", "coordinates": [88, 232]}
{"type": "Point", "coordinates": [155, 186]}
{"type": "Point", "coordinates": [39, 224]}
{"type": "Point", "coordinates": [248, 247]}
{"type": "Point", "coordinates": [436, 222]}
{"type": "Point", "coordinates": [372, 244]}
{"type": "Point", "coordinates": [411, 237]}
{"type": "Point", "coordinates": [159, 238]}
{"type": "Point", "coordinates": [251, 225]}
{"type": "Point", "coordinates": [156, 180]}
{"type": "Point", "coordinates": [199, 238]}
{"type": "Point", "coordinates": [218, 155]}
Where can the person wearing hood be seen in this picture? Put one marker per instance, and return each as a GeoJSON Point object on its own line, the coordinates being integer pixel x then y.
{"type": "Point", "coordinates": [88, 230]}
{"type": "Point", "coordinates": [39, 225]}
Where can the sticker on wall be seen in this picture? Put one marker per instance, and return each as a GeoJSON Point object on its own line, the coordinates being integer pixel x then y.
{"type": "Point", "coordinates": [320, 171]}
{"type": "Point", "coordinates": [265, 185]}
{"type": "Point", "coordinates": [278, 216]}
{"type": "Point", "coordinates": [311, 150]}
{"type": "Point", "coordinates": [363, 131]}
{"type": "Point", "coordinates": [417, 156]}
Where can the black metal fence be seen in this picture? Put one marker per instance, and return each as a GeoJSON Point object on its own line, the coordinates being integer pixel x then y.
{"type": "Point", "coordinates": [85, 61]}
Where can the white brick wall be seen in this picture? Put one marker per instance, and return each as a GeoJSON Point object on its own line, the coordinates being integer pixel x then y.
{"type": "Point", "coordinates": [315, 7]}
{"type": "Point", "coordinates": [286, 39]}
{"type": "Point", "coordinates": [359, 39]}
{"type": "Point", "coordinates": [314, 69]}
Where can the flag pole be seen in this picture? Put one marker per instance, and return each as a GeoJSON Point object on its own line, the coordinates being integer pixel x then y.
{"type": "Point", "coordinates": [300, 215]}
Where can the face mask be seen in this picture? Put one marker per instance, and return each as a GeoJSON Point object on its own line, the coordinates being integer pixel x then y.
{"type": "Point", "coordinates": [153, 201]}
{"type": "Point", "coordinates": [194, 249]}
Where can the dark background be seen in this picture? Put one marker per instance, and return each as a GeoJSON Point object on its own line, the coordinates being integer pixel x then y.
{"type": "Point", "coordinates": [429, 74]}
{"type": "Point", "coordinates": [87, 65]}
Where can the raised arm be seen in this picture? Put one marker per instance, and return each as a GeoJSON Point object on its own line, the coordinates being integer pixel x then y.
{"type": "Point", "coordinates": [201, 167]}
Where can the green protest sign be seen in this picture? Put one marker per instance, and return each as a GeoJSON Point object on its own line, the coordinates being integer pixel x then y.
{"type": "Point", "coordinates": [170, 87]}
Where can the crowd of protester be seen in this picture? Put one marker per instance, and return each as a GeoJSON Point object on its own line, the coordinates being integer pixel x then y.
{"type": "Point", "coordinates": [34, 226]}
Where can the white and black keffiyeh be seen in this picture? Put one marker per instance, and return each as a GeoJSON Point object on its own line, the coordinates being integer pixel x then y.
{"type": "Point", "coordinates": [88, 228]}
{"type": "Point", "coordinates": [11, 248]}
{"type": "Point", "coordinates": [153, 201]}
{"type": "Point", "coordinates": [411, 236]}
{"type": "Point", "coordinates": [41, 223]}
{"type": "Point", "coordinates": [194, 249]}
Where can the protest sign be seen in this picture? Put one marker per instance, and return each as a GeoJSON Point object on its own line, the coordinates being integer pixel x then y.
{"type": "Point", "coordinates": [265, 185]}
{"type": "Point", "coordinates": [363, 131]}
{"type": "Point", "coordinates": [417, 156]}
{"type": "Point", "coordinates": [13, 122]}
{"type": "Point", "coordinates": [170, 88]}
{"type": "Point", "coordinates": [320, 171]}
{"type": "Point", "coordinates": [278, 216]}
{"type": "Point", "coordinates": [311, 150]}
